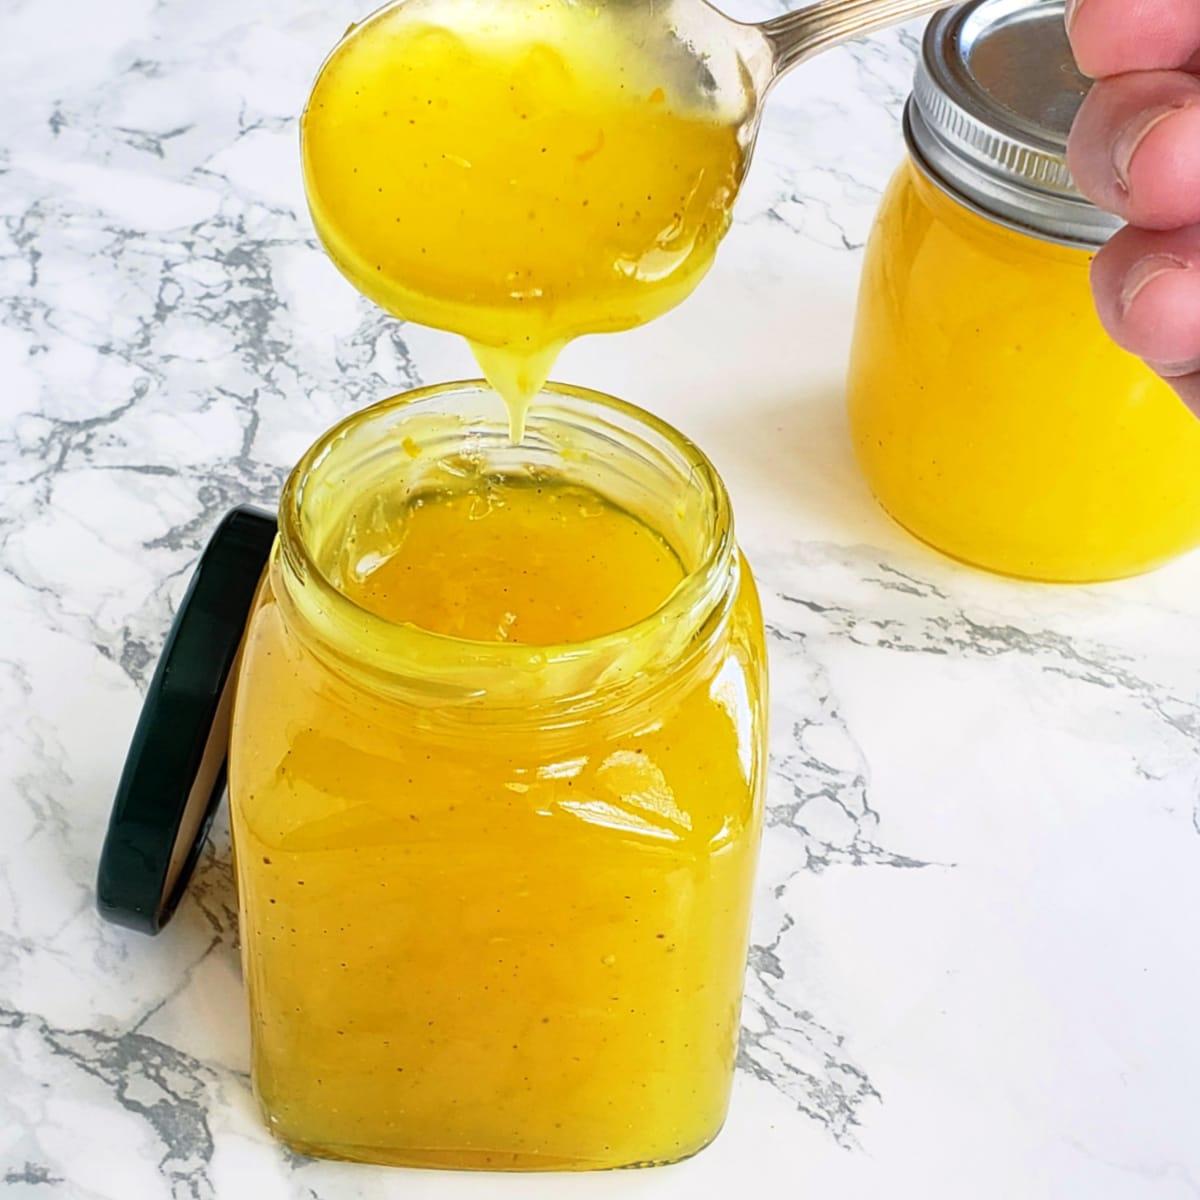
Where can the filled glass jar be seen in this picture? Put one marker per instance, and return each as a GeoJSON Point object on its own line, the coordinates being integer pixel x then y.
{"type": "Point", "coordinates": [991, 414]}
{"type": "Point", "coordinates": [496, 774]}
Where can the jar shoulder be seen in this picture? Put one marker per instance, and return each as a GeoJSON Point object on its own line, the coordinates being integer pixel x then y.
{"type": "Point", "coordinates": [311, 752]}
{"type": "Point", "coordinates": [928, 229]}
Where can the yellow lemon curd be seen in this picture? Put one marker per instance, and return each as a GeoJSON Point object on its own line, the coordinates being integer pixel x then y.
{"type": "Point", "coordinates": [504, 938]}
{"type": "Point", "coordinates": [517, 173]}
{"type": "Point", "coordinates": [992, 415]}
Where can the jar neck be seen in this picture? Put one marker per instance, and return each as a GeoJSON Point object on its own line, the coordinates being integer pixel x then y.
{"type": "Point", "coordinates": [977, 226]}
{"type": "Point", "coordinates": [359, 476]}
{"type": "Point", "coordinates": [1063, 221]}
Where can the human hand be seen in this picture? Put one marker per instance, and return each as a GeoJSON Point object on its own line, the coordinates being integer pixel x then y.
{"type": "Point", "coordinates": [1135, 151]}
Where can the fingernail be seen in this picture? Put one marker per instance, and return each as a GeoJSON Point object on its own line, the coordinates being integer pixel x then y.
{"type": "Point", "coordinates": [1073, 7]}
{"type": "Point", "coordinates": [1176, 370]}
{"type": "Point", "coordinates": [1130, 139]}
{"type": "Point", "coordinates": [1144, 273]}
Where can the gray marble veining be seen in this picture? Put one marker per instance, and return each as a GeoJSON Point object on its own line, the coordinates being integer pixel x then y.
{"type": "Point", "coordinates": [974, 970]}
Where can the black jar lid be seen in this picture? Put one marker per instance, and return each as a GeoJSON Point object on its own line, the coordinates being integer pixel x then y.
{"type": "Point", "coordinates": [174, 774]}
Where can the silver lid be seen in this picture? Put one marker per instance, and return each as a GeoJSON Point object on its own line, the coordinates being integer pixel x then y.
{"type": "Point", "coordinates": [995, 94]}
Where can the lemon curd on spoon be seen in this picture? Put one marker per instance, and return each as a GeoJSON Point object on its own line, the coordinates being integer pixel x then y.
{"type": "Point", "coordinates": [516, 173]}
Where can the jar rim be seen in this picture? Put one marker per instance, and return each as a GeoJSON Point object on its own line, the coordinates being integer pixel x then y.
{"type": "Point", "coordinates": [393, 646]}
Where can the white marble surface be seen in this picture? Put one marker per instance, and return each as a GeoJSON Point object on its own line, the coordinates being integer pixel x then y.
{"type": "Point", "coordinates": [976, 967]}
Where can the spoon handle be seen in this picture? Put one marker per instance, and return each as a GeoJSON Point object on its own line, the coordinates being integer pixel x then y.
{"type": "Point", "coordinates": [799, 35]}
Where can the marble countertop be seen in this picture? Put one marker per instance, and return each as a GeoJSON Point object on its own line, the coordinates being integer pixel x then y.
{"type": "Point", "coordinates": [975, 969]}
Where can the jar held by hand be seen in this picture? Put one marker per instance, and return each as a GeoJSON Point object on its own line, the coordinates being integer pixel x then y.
{"type": "Point", "coordinates": [991, 414]}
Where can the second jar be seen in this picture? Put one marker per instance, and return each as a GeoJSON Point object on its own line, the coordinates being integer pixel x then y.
{"type": "Point", "coordinates": [991, 414]}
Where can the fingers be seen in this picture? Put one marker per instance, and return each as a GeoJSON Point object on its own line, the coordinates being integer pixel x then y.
{"type": "Point", "coordinates": [1135, 147]}
{"type": "Point", "coordinates": [1135, 151]}
{"type": "Point", "coordinates": [1112, 37]}
{"type": "Point", "coordinates": [1147, 287]}
{"type": "Point", "coordinates": [1189, 392]}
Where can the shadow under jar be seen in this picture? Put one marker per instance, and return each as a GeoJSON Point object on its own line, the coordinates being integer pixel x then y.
{"type": "Point", "coordinates": [991, 414]}
{"type": "Point", "coordinates": [495, 893]}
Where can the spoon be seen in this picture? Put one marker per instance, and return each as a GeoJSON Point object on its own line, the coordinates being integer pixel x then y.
{"type": "Point", "coordinates": [728, 57]}
{"type": "Point", "coordinates": [525, 172]}
{"type": "Point", "coordinates": [790, 39]}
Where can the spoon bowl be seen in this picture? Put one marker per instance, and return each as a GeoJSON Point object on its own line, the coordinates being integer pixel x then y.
{"type": "Point", "coordinates": [526, 173]}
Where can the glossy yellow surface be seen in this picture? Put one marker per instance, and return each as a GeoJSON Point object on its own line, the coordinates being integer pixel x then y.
{"type": "Point", "coordinates": [515, 173]}
{"type": "Point", "coordinates": [994, 418]}
{"type": "Point", "coordinates": [481, 941]}
{"type": "Point", "coordinates": [518, 562]}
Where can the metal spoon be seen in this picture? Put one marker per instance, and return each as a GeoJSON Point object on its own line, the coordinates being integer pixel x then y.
{"type": "Point", "coordinates": [734, 64]}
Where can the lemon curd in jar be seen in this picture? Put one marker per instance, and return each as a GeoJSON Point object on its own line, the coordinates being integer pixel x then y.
{"type": "Point", "coordinates": [518, 173]}
{"type": "Point", "coordinates": [496, 777]}
{"type": "Point", "coordinates": [992, 415]}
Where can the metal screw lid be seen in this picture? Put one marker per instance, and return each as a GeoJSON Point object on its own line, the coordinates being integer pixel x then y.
{"type": "Point", "coordinates": [995, 94]}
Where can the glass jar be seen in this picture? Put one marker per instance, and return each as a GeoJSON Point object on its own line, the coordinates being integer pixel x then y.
{"type": "Point", "coordinates": [991, 414]}
{"type": "Point", "coordinates": [495, 897]}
